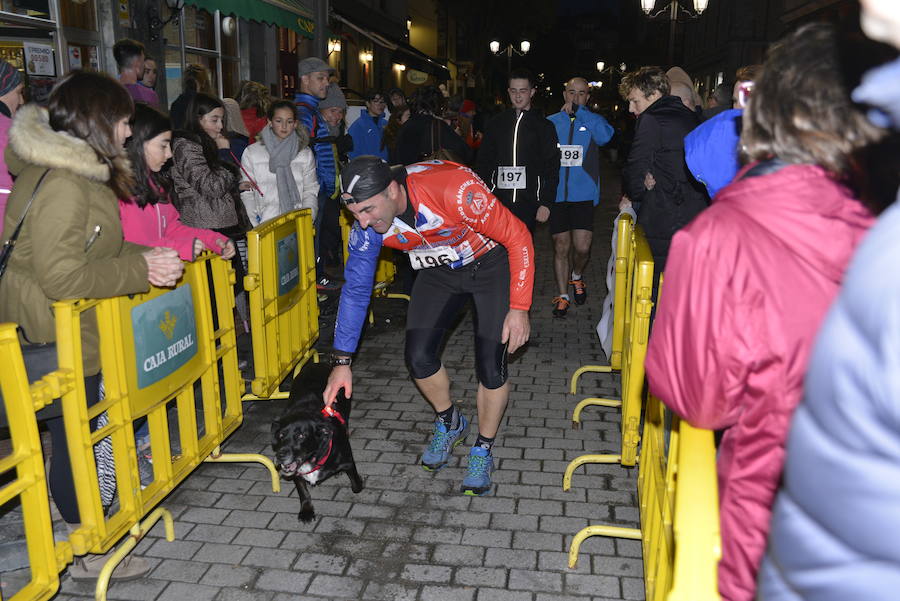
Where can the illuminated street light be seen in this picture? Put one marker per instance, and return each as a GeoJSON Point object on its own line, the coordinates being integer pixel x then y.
{"type": "Point", "coordinates": [525, 46]}
{"type": "Point", "coordinates": [673, 7]}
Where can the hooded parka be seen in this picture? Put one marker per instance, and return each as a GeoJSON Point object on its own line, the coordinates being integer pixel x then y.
{"type": "Point", "coordinates": [747, 285]}
{"type": "Point", "coordinates": [71, 244]}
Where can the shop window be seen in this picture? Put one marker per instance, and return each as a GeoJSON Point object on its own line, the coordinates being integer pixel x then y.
{"type": "Point", "coordinates": [199, 28]}
{"type": "Point", "coordinates": [29, 8]}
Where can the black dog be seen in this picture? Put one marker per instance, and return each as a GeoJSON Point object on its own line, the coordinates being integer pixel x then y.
{"type": "Point", "coordinates": [310, 445]}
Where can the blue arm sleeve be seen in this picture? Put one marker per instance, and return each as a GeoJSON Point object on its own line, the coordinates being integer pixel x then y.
{"type": "Point", "coordinates": [601, 130]}
{"type": "Point", "coordinates": [359, 275]}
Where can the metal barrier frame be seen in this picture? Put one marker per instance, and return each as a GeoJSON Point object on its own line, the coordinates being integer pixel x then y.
{"type": "Point", "coordinates": [621, 301]}
{"type": "Point", "coordinates": [284, 324]}
{"type": "Point", "coordinates": [213, 367]}
{"type": "Point", "coordinates": [46, 558]}
{"type": "Point", "coordinates": [637, 334]}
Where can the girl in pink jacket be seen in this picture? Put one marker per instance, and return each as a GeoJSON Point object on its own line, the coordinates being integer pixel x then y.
{"type": "Point", "coordinates": [150, 218]}
{"type": "Point", "coordinates": [749, 280]}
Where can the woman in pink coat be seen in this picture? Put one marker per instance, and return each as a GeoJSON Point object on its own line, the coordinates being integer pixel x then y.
{"type": "Point", "coordinates": [748, 283]}
{"type": "Point", "coordinates": [150, 218]}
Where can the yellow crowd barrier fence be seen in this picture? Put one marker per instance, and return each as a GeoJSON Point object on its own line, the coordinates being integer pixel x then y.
{"type": "Point", "coordinates": [637, 333]}
{"type": "Point", "coordinates": [621, 301]}
{"type": "Point", "coordinates": [284, 308]}
{"type": "Point", "coordinates": [385, 270]}
{"type": "Point", "coordinates": [168, 358]}
{"type": "Point", "coordinates": [678, 503]}
{"type": "Point", "coordinates": [25, 462]}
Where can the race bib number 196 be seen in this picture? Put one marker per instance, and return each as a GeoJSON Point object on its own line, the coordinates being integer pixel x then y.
{"type": "Point", "coordinates": [571, 155]}
{"type": "Point", "coordinates": [424, 258]}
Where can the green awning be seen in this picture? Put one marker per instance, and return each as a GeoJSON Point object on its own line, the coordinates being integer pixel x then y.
{"type": "Point", "coordinates": [293, 14]}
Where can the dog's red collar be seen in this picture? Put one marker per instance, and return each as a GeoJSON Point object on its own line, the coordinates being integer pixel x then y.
{"type": "Point", "coordinates": [320, 462]}
{"type": "Point", "coordinates": [329, 411]}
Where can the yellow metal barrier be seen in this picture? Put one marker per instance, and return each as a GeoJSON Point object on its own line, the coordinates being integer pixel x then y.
{"type": "Point", "coordinates": [385, 270]}
{"type": "Point", "coordinates": [284, 309]}
{"type": "Point", "coordinates": [679, 511]}
{"type": "Point", "coordinates": [624, 264]}
{"type": "Point", "coordinates": [169, 353]}
{"type": "Point", "coordinates": [46, 558]}
{"type": "Point", "coordinates": [637, 333]}
{"type": "Point", "coordinates": [698, 544]}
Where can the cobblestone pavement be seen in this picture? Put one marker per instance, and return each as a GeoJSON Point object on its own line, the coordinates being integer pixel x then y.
{"type": "Point", "coordinates": [410, 535]}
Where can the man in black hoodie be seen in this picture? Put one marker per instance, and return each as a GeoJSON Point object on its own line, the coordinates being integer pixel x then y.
{"type": "Point", "coordinates": [519, 155]}
{"type": "Point", "coordinates": [664, 193]}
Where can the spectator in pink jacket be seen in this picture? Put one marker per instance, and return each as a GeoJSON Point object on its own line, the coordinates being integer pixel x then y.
{"type": "Point", "coordinates": [749, 280]}
{"type": "Point", "coordinates": [150, 218]}
{"type": "Point", "coordinates": [10, 99]}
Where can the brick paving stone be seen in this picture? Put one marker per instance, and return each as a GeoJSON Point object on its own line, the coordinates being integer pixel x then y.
{"type": "Point", "coordinates": [458, 555]}
{"type": "Point", "coordinates": [480, 577]}
{"type": "Point", "coordinates": [205, 515]}
{"type": "Point", "coordinates": [215, 552]}
{"type": "Point", "coordinates": [496, 594]}
{"type": "Point", "coordinates": [179, 591]}
{"type": "Point", "coordinates": [426, 573]}
{"type": "Point", "coordinates": [376, 591]}
{"type": "Point", "coordinates": [269, 558]}
{"type": "Point", "coordinates": [446, 593]}
{"type": "Point", "coordinates": [333, 525]}
{"type": "Point", "coordinates": [258, 537]}
{"type": "Point", "coordinates": [283, 580]}
{"type": "Point", "coordinates": [220, 574]}
{"type": "Point", "coordinates": [239, 594]}
{"type": "Point", "coordinates": [540, 541]}
{"type": "Point", "coordinates": [321, 563]}
{"type": "Point", "coordinates": [511, 558]}
{"type": "Point", "coordinates": [334, 586]}
{"type": "Point", "coordinates": [177, 549]}
{"type": "Point", "coordinates": [592, 585]}
{"type": "Point", "coordinates": [136, 590]}
{"type": "Point", "coordinates": [179, 570]}
{"type": "Point", "coordinates": [633, 588]}
{"type": "Point", "coordinates": [530, 580]}
{"type": "Point", "coordinates": [211, 533]}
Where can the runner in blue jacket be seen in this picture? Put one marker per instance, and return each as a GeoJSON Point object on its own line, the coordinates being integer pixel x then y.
{"type": "Point", "coordinates": [581, 133]}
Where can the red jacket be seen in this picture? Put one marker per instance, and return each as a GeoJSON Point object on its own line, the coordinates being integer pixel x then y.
{"type": "Point", "coordinates": [747, 285]}
{"type": "Point", "coordinates": [452, 207]}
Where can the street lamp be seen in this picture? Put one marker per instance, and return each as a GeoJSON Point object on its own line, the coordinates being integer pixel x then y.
{"type": "Point", "coordinates": [524, 47]}
{"type": "Point", "coordinates": [612, 70]}
{"type": "Point", "coordinates": [674, 6]}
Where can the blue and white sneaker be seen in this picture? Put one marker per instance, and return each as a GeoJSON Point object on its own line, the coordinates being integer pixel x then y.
{"type": "Point", "coordinates": [478, 478]}
{"type": "Point", "coordinates": [443, 441]}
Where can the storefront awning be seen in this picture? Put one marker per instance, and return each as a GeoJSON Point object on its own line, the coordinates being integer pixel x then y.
{"type": "Point", "coordinates": [293, 14]}
{"type": "Point", "coordinates": [403, 53]}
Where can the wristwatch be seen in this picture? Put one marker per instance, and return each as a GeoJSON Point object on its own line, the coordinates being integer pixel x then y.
{"type": "Point", "coordinates": [340, 360]}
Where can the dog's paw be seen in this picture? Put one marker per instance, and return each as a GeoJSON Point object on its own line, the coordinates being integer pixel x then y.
{"type": "Point", "coordinates": [306, 515]}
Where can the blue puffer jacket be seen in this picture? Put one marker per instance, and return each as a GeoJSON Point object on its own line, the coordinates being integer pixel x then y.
{"type": "Point", "coordinates": [835, 532]}
{"type": "Point", "coordinates": [711, 150]}
{"type": "Point", "coordinates": [367, 132]}
{"type": "Point", "coordinates": [308, 115]}
{"type": "Point", "coordinates": [589, 131]}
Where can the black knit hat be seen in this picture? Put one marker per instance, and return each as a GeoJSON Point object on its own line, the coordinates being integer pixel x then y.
{"type": "Point", "coordinates": [365, 176]}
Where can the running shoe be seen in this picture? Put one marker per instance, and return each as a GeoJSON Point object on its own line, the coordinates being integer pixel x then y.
{"type": "Point", "coordinates": [443, 441]}
{"type": "Point", "coordinates": [478, 477]}
{"type": "Point", "coordinates": [327, 285]}
{"type": "Point", "coordinates": [580, 291]}
{"type": "Point", "coordinates": [560, 306]}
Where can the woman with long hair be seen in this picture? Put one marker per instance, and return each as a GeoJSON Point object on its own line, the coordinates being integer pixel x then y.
{"type": "Point", "coordinates": [71, 244]}
{"type": "Point", "coordinates": [749, 280]}
{"type": "Point", "coordinates": [148, 216]}
{"type": "Point", "coordinates": [206, 177]}
{"type": "Point", "coordinates": [280, 168]}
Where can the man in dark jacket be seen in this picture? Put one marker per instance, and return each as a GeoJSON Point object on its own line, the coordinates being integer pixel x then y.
{"type": "Point", "coordinates": [519, 155]}
{"type": "Point", "coordinates": [656, 179]}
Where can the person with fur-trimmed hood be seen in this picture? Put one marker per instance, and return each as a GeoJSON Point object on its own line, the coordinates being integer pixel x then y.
{"type": "Point", "coordinates": [280, 168]}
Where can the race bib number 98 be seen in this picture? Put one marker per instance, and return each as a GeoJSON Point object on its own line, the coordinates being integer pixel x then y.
{"type": "Point", "coordinates": [571, 155]}
{"type": "Point", "coordinates": [424, 258]}
{"type": "Point", "coordinates": [511, 178]}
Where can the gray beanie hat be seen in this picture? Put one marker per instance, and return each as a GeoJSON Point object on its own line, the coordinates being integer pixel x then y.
{"type": "Point", "coordinates": [334, 97]}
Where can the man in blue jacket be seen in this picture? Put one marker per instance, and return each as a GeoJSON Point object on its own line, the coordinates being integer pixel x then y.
{"type": "Point", "coordinates": [313, 73]}
{"type": "Point", "coordinates": [368, 129]}
{"type": "Point", "coordinates": [581, 133]}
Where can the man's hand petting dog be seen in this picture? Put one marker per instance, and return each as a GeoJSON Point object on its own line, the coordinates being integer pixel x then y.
{"type": "Point", "coordinates": [340, 377]}
{"type": "Point", "coordinates": [312, 443]}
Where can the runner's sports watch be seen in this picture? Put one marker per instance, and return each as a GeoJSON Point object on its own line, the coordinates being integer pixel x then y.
{"type": "Point", "coordinates": [340, 360]}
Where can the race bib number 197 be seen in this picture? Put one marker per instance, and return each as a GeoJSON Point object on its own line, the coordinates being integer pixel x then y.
{"type": "Point", "coordinates": [571, 155]}
{"type": "Point", "coordinates": [511, 178]}
{"type": "Point", "coordinates": [424, 258]}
